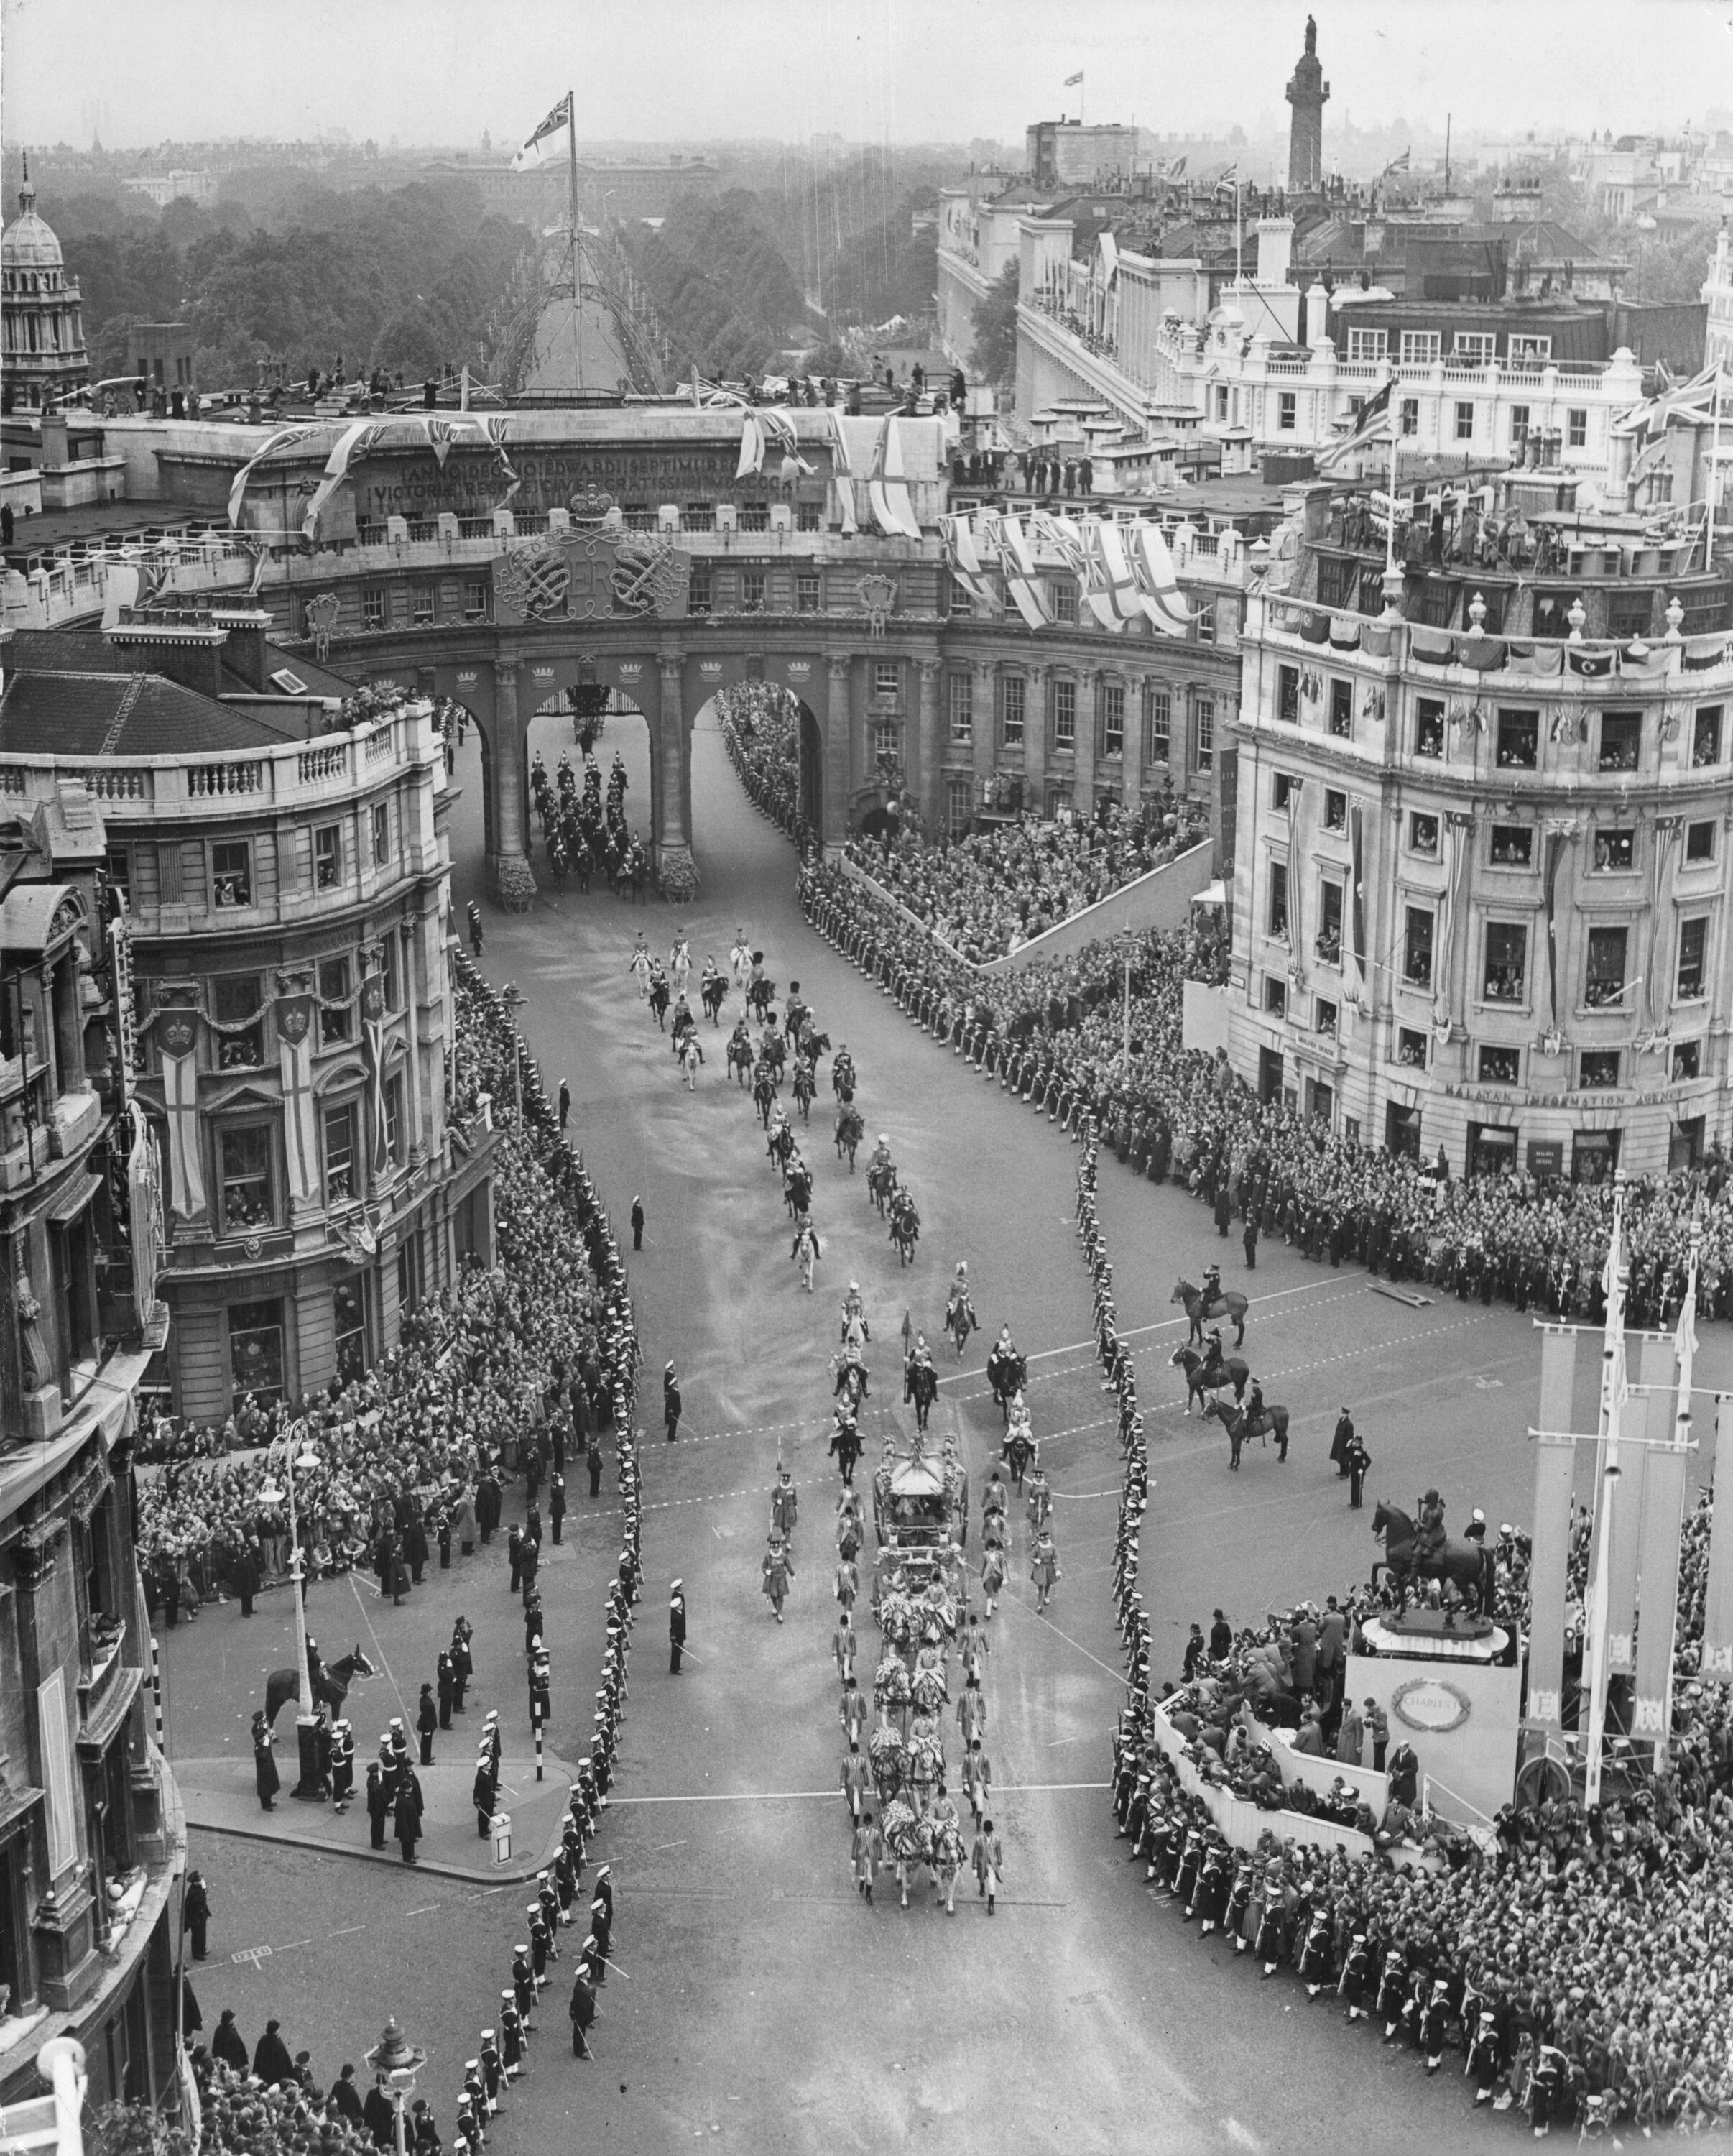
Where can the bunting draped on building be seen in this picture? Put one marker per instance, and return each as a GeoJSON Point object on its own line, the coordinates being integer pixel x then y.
{"type": "Point", "coordinates": [763, 431]}
{"type": "Point", "coordinates": [144, 1188]}
{"type": "Point", "coordinates": [888, 486]}
{"type": "Point", "coordinates": [373, 1035]}
{"type": "Point", "coordinates": [1357, 907]}
{"type": "Point", "coordinates": [1123, 569]}
{"type": "Point", "coordinates": [177, 1043]}
{"type": "Point", "coordinates": [285, 438]}
{"type": "Point", "coordinates": [295, 1066]}
{"type": "Point", "coordinates": [1655, 991]}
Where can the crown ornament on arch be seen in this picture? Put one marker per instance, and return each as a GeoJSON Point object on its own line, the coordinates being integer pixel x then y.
{"type": "Point", "coordinates": [591, 504]}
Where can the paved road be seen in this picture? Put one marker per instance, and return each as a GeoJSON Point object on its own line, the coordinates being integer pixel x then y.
{"type": "Point", "coordinates": [765, 2003]}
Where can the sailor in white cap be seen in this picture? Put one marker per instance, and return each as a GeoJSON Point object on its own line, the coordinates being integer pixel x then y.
{"type": "Point", "coordinates": [676, 1625]}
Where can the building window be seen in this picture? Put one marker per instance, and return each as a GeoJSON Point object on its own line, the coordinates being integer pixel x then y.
{"type": "Point", "coordinates": [390, 971]}
{"type": "Point", "coordinates": [1408, 417]}
{"type": "Point", "coordinates": [805, 516]}
{"type": "Point", "coordinates": [1693, 948]}
{"type": "Point", "coordinates": [1064, 603]}
{"type": "Point", "coordinates": [1423, 832]}
{"type": "Point", "coordinates": [1512, 845]}
{"type": "Point", "coordinates": [1576, 427]}
{"type": "Point", "coordinates": [372, 607]}
{"type": "Point", "coordinates": [805, 592]}
{"type": "Point", "coordinates": [887, 677]}
{"type": "Point", "coordinates": [339, 1162]}
{"type": "Point", "coordinates": [1419, 347]}
{"type": "Point", "coordinates": [1287, 411]}
{"type": "Point", "coordinates": [1278, 914]}
{"type": "Point", "coordinates": [1605, 982]}
{"type": "Point", "coordinates": [1204, 622]}
{"type": "Point", "coordinates": [1518, 739]}
{"type": "Point", "coordinates": [1526, 345]}
{"type": "Point", "coordinates": [236, 1005]}
{"type": "Point", "coordinates": [421, 604]}
{"type": "Point", "coordinates": [1013, 693]}
{"type": "Point", "coordinates": [698, 516]}
{"type": "Point", "coordinates": [959, 807]}
{"type": "Point", "coordinates": [1687, 1060]}
{"type": "Point", "coordinates": [1064, 715]}
{"type": "Point", "coordinates": [409, 1273]}
{"type": "Point", "coordinates": [232, 873]}
{"type": "Point", "coordinates": [962, 709]}
{"type": "Point", "coordinates": [1282, 786]}
{"type": "Point", "coordinates": [755, 517]}
{"type": "Point", "coordinates": [1700, 842]}
{"type": "Point", "coordinates": [349, 1324]}
{"type": "Point", "coordinates": [1621, 740]}
{"type": "Point", "coordinates": [255, 1351]}
{"type": "Point", "coordinates": [1417, 948]}
{"type": "Point", "coordinates": [1707, 736]}
{"type": "Point", "coordinates": [1113, 719]}
{"type": "Point", "coordinates": [337, 1013]}
{"type": "Point", "coordinates": [1410, 1048]}
{"type": "Point", "coordinates": [1328, 948]}
{"type": "Point", "coordinates": [1158, 727]}
{"type": "Point", "coordinates": [1614, 851]}
{"type": "Point", "coordinates": [247, 1199]}
{"type": "Point", "coordinates": [393, 1090]}
{"type": "Point", "coordinates": [1464, 420]}
{"type": "Point", "coordinates": [1599, 1067]}
{"type": "Point", "coordinates": [1364, 345]}
{"type": "Point", "coordinates": [1324, 1017]}
{"type": "Point", "coordinates": [1428, 727]}
{"type": "Point", "coordinates": [382, 833]}
{"type": "Point", "coordinates": [1275, 995]}
{"type": "Point", "coordinates": [1287, 694]}
{"type": "Point", "coordinates": [475, 600]}
{"type": "Point", "coordinates": [1204, 732]}
{"type": "Point", "coordinates": [1335, 811]}
{"type": "Point", "coordinates": [1474, 347]}
{"type": "Point", "coordinates": [1519, 426]}
{"type": "Point", "coordinates": [959, 603]}
{"type": "Point", "coordinates": [701, 590]}
{"type": "Point", "coordinates": [327, 856]}
{"type": "Point", "coordinates": [888, 738]}
{"type": "Point", "coordinates": [1506, 974]}
{"type": "Point", "coordinates": [1501, 1066]}
{"type": "Point", "coordinates": [1341, 708]}
{"type": "Point", "coordinates": [751, 590]}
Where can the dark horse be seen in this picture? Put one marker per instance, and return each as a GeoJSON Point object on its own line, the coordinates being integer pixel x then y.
{"type": "Point", "coordinates": [331, 1690]}
{"type": "Point", "coordinates": [1240, 1426]}
{"type": "Point", "coordinates": [1466, 1564]}
{"type": "Point", "coordinates": [1202, 1378]}
{"type": "Point", "coordinates": [1229, 1305]}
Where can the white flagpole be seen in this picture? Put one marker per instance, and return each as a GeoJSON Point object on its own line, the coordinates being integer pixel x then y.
{"type": "Point", "coordinates": [1392, 413]}
{"type": "Point", "coordinates": [1612, 1390]}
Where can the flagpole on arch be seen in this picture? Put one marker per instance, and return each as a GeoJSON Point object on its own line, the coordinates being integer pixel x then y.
{"type": "Point", "coordinates": [577, 342]}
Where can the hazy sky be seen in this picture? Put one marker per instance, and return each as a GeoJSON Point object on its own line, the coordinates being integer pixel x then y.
{"type": "Point", "coordinates": [915, 70]}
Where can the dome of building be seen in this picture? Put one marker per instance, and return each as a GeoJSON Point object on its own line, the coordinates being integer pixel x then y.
{"type": "Point", "coordinates": [28, 243]}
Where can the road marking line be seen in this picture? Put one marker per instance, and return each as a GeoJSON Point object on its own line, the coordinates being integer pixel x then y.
{"type": "Point", "coordinates": [346, 1931]}
{"type": "Point", "coordinates": [427, 1910]}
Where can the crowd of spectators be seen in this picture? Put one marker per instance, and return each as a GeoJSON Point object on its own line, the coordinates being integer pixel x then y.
{"type": "Point", "coordinates": [405, 1449]}
{"type": "Point", "coordinates": [1053, 1031]}
{"type": "Point", "coordinates": [1574, 1956]}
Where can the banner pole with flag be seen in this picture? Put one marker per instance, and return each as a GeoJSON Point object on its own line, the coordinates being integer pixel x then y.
{"type": "Point", "coordinates": [1612, 1402]}
{"type": "Point", "coordinates": [1075, 82]}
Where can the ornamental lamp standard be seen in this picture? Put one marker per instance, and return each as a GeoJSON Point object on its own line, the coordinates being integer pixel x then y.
{"type": "Point", "coordinates": [514, 1000]}
{"type": "Point", "coordinates": [396, 2061]}
{"type": "Point", "coordinates": [298, 1452]}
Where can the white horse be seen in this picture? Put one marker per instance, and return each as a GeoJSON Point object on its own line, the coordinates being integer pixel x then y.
{"type": "Point", "coordinates": [805, 1249]}
{"type": "Point", "coordinates": [691, 1057]}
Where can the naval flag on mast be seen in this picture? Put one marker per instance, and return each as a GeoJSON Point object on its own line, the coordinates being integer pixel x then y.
{"type": "Point", "coordinates": [530, 155]}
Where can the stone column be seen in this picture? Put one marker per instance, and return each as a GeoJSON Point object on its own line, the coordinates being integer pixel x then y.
{"type": "Point", "coordinates": [1131, 755]}
{"type": "Point", "coordinates": [1083, 755]}
{"type": "Point", "coordinates": [928, 779]}
{"type": "Point", "coordinates": [676, 869]}
{"type": "Point", "coordinates": [987, 724]}
{"type": "Point", "coordinates": [1034, 741]}
{"type": "Point", "coordinates": [513, 882]}
{"type": "Point", "coordinates": [839, 760]}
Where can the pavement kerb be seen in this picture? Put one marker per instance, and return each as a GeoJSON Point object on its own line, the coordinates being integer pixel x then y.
{"type": "Point", "coordinates": [494, 1876]}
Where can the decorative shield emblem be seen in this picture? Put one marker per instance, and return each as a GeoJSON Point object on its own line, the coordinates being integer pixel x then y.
{"type": "Point", "coordinates": [877, 596]}
{"type": "Point", "coordinates": [178, 1032]}
{"type": "Point", "coordinates": [372, 1000]}
{"type": "Point", "coordinates": [293, 1020]}
{"type": "Point", "coordinates": [322, 612]}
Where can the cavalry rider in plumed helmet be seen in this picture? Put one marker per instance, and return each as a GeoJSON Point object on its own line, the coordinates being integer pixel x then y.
{"type": "Point", "coordinates": [854, 1311]}
{"type": "Point", "coordinates": [881, 1153]}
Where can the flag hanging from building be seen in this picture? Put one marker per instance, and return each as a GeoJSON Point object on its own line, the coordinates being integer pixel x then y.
{"type": "Point", "coordinates": [530, 155]}
{"type": "Point", "coordinates": [1371, 425]}
{"type": "Point", "coordinates": [1072, 80]}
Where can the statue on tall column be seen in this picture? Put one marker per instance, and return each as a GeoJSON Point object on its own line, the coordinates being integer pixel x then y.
{"type": "Point", "coordinates": [1311, 34]}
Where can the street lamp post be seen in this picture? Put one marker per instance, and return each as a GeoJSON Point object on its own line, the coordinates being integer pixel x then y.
{"type": "Point", "coordinates": [514, 998]}
{"type": "Point", "coordinates": [396, 2061]}
{"type": "Point", "coordinates": [298, 1453]}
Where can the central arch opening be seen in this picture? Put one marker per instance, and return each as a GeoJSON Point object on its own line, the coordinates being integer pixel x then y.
{"type": "Point", "coordinates": [573, 851]}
